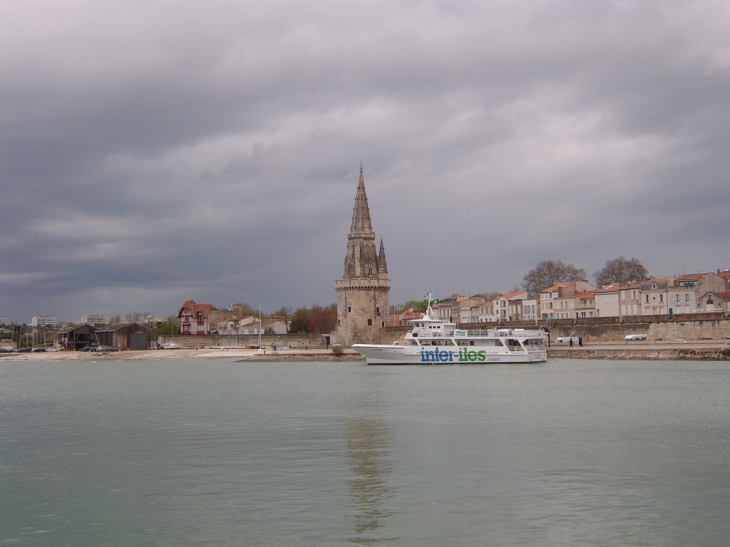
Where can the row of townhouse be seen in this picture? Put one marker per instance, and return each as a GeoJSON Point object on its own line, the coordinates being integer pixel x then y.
{"type": "Point", "coordinates": [205, 319]}
{"type": "Point", "coordinates": [514, 306]}
{"type": "Point", "coordinates": [230, 325]}
{"type": "Point", "coordinates": [684, 294]}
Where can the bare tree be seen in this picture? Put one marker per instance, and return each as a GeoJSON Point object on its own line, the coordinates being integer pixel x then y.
{"type": "Point", "coordinates": [134, 317]}
{"type": "Point", "coordinates": [620, 270]}
{"type": "Point", "coordinates": [549, 272]}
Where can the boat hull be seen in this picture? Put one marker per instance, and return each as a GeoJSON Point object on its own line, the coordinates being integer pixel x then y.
{"type": "Point", "coordinates": [413, 355]}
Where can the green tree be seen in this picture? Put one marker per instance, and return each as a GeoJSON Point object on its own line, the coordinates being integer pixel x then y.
{"type": "Point", "coordinates": [170, 326]}
{"type": "Point", "coordinates": [417, 305]}
{"type": "Point", "coordinates": [491, 295]}
{"type": "Point", "coordinates": [243, 310]}
{"type": "Point", "coordinates": [620, 270]}
{"type": "Point", "coordinates": [549, 272]}
{"type": "Point", "coordinates": [300, 320]}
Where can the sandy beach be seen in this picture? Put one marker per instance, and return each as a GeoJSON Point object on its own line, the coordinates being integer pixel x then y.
{"type": "Point", "coordinates": [184, 353]}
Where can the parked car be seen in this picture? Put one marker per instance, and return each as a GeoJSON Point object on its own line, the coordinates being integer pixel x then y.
{"type": "Point", "coordinates": [89, 347]}
{"type": "Point", "coordinates": [635, 337]}
{"type": "Point", "coordinates": [105, 349]}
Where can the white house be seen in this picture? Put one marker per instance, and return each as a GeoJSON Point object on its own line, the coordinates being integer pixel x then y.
{"type": "Point", "coordinates": [606, 300]}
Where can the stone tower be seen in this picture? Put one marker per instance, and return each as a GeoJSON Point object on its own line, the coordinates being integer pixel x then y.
{"type": "Point", "coordinates": [362, 293]}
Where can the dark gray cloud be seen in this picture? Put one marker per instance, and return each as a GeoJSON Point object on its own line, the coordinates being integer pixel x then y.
{"type": "Point", "coordinates": [153, 152]}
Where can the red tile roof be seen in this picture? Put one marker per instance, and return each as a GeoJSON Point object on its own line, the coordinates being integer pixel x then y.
{"type": "Point", "coordinates": [613, 287]}
{"type": "Point", "coordinates": [205, 309]}
{"type": "Point", "coordinates": [511, 294]}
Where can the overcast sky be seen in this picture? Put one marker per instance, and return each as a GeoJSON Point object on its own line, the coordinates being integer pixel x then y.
{"type": "Point", "coordinates": [156, 151]}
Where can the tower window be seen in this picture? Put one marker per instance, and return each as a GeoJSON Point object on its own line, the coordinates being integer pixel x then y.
{"type": "Point", "coordinates": [370, 322]}
{"type": "Point", "coordinates": [349, 309]}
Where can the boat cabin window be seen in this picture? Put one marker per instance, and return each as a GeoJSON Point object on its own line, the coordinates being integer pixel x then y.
{"type": "Point", "coordinates": [444, 342]}
{"type": "Point", "coordinates": [484, 342]}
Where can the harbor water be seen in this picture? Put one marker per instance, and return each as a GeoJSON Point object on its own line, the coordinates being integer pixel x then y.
{"type": "Point", "coordinates": [223, 453]}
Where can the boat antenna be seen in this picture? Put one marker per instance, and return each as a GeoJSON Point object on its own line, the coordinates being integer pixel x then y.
{"type": "Point", "coordinates": [428, 306]}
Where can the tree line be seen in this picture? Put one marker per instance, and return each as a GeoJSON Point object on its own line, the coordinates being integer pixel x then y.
{"type": "Point", "coordinates": [550, 272]}
{"type": "Point", "coordinates": [316, 319]}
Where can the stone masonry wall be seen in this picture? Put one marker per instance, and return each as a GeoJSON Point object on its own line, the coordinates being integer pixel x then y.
{"type": "Point", "coordinates": [245, 340]}
{"type": "Point", "coordinates": [363, 304]}
{"type": "Point", "coordinates": [594, 331]}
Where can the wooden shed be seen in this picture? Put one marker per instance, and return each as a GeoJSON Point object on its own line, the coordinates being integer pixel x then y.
{"type": "Point", "coordinates": [75, 338]}
{"type": "Point", "coordinates": [124, 336]}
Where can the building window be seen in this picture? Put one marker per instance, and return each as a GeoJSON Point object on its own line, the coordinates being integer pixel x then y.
{"type": "Point", "coordinates": [686, 298]}
{"type": "Point", "coordinates": [349, 309]}
{"type": "Point", "coordinates": [370, 322]}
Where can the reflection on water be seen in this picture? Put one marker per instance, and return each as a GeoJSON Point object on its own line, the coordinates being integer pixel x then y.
{"type": "Point", "coordinates": [367, 452]}
{"type": "Point", "coordinates": [369, 442]}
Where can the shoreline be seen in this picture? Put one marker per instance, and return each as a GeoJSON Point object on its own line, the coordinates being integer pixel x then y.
{"type": "Point", "coordinates": [668, 351]}
{"type": "Point", "coordinates": [242, 354]}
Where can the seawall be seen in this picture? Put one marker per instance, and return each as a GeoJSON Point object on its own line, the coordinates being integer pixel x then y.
{"type": "Point", "coordinates": [643, 353]}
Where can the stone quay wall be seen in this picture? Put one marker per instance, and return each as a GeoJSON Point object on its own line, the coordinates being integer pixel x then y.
{"type": "Point", "coordinates": [713, 326]}
{"type": "Point", "coordinates": [642, 354]}
{"type": "Point", "coordinates": [295, 341]}
{"type": "Point", "coordinates": [682, 327]}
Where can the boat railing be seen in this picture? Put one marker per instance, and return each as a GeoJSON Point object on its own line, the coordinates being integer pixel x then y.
{"type": "Point", "coordinates": [501, 333]}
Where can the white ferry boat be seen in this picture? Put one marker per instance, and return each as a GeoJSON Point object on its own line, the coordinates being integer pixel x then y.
{"type": "Point", "coordinates": [436, 342]}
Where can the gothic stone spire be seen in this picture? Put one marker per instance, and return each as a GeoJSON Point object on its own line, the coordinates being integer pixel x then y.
{"type": "Point", "coordinates": [362, 257]}
{"type": "Point", "coordinates": [361, 225]}
{"type": "Point", "coordinates": [382, 265]}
